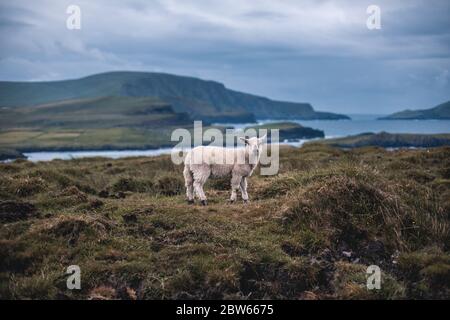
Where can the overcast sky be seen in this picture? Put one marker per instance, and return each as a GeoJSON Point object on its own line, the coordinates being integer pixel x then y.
{"type": "Point", "coordinates": [308, 51]}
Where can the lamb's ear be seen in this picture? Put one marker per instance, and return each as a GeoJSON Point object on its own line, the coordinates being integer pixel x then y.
{"type": "Point", "coordinates": [244, 139]}
{"type": "Point", "coordinates": [261, 140]}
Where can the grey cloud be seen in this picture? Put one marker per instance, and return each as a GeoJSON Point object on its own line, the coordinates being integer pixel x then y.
{"type": "Point", "coordinates": [315, 51]}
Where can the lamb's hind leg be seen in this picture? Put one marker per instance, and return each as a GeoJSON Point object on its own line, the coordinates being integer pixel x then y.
{"type": "Point", "coordinates": [199, 180]}
{"type": "Point", "coordinates": [235, 183]}
{"type": "Point", "coordinates": [243, 187]}
{"type": "Point", "coordinates": [189, 183]}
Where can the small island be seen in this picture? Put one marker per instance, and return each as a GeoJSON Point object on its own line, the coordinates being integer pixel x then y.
{"type": "Point", "coordinates": [440, 112]}
{"type": "Point", "coordinates": [290, 131]}
{"type": "Point", "coordinates": [390, 140]}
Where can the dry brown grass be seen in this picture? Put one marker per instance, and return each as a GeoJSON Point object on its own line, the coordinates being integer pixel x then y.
{"type": "Point", "coordinates": [308, 233]}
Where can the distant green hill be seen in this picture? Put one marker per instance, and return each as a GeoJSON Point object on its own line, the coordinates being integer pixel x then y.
{"type": "Point", "coordinates": [100, 112]}
{"type": "Point", "coordinates": [205, 100]}
{"type": "Point", "coordinates": [390, 140]}
{"type": "Point", "coordinates": [441, 112]}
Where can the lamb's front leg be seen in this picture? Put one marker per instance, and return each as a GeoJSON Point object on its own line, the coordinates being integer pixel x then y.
{"type": "Point", "coordinates": [198, 187]}
{"type": "Point", "coordinates": [243, 187]}
{"type": "Point", "coordinates": [235, 183]}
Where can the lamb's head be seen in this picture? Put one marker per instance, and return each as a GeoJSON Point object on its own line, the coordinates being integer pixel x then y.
{"type": "Point", "coordinates": [253, 148]}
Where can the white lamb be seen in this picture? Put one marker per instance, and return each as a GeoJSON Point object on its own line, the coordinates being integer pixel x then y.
{"type": "Point", "coordinates": [202, 162]}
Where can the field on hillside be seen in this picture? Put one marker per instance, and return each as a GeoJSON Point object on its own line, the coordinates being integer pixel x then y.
{"type": "Point", "coordinates": [120, 138]}
{"type": "Point", "coordinates": [85, 139]}
{"type": "Point", "coordinates": [308, 233]}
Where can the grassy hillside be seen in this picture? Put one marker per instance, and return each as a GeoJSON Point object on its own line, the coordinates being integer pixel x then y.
{"type": "Point", "coordinates": [86, 139]}
{"type": "Point", "coordinates": [390, 140]}
{"type": "Point", "coordinates": [290, 131]}
{"type": "Point", "coordinates": [207, 100]}
{"type": "Point", "coordinates": [99, 112]}
{"type": "Point", "coordinates": [308, 233]}
{"type": "Point", "coordinates": [441, 111]}
{"type": "Point", "coordinates": [91, 124]}
{"type": "Point", "coordinates": [27, 140]}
